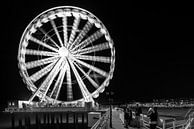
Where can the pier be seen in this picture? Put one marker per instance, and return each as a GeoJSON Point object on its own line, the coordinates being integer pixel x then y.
{"type": "Point", "coordinates": [66, 118]}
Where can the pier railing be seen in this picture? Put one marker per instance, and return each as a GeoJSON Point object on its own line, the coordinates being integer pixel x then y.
{"type": "Point", "coordinates": [102, 123]}
{"type": "Point", "coordinates": [189, 121]}
{"type": "Point", "coordinates": [164, 123]}
{"type": "Point", "coordinates": [169, 123]}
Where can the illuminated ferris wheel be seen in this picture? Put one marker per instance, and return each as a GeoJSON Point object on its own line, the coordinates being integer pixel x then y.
{"type": "Point", "coordinates": [66, 55]}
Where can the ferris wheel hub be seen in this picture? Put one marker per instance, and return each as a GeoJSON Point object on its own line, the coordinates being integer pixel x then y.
{"type": "Point", "coordinates": [63, 52]}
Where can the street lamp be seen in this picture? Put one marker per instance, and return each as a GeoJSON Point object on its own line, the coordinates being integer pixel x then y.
{"type": "Point", "coordinates": [109, 94]}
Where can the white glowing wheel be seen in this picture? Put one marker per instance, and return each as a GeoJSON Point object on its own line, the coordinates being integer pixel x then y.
{"type": "Point", "coordinates": [66, 55]}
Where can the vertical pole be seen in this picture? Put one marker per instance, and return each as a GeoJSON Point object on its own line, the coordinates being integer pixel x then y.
{"type": "Point", "coordinates": [110, 108]}
{"type": "Point", "coordinates": [163, 124]}
{"type": "Point", "coordinates": [86, 118]}
{"type": "Point", "coordinates": [110, 116]}
{"type": "Point", "coordinates": [61, 117]}
{"type": "Point", "coordinates": [141, 120]}
{"type": "Point", "coordinates": [190, 121]}
{"type": "Point", "coordinates": [74, 119]}
{"type": "Point", "coordinates": [173, 124]}
{"type": "Point", "coordinates": [47, 118]}
{"type": "Point", "coordinates": [106, 126]}
{"type": "Point", "coordinates": [44, 118]}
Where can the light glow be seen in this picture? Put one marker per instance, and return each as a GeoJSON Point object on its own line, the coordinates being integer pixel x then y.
{"type": "Point", "coordinates": [65, 54]}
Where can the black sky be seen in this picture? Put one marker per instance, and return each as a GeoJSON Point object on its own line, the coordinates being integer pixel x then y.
{"type": "Point", "coordinates": [154, 49]}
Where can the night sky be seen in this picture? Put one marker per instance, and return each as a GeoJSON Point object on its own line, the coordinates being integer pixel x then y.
{"type": "Point", "coordinates": [154, 49]}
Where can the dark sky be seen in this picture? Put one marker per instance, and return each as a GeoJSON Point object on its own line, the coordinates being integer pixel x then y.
{"type": "Point", "coordinates": [154, 49]}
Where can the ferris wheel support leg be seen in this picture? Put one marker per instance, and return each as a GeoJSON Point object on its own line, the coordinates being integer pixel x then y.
{"type": "Point", "coordinates": [90, 99]}
{"type": "Point", "coordinates": [32, 97]}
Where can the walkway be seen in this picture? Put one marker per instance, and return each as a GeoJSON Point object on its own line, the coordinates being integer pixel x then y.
{"type": "Point", "coordinates": [118, 120]}
{"type": "Point", "coordinates": [117, 123]}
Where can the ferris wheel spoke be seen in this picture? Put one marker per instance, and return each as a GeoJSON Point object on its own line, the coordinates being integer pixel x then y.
{"type": "Point", "coordinates": [89, 40]}
{"type": "Point", "coordinates": [95, 48]}
{"type": "Point", "coordinates": [37, 63]}
{"type": "Point", "coordinates": [59, 82]}
{"type": "Point", "coordinates": [69, 85]}
{"type": "Point", "coordinates": [95, 69]}
{"type": "Point", "coordinates": [94, 58]}
{"type": "Point", "coordinates": [81, 84]}
{"type": "Point", "coordinates": [36, 76]}
{"type": "Point", "coordinates": [48, 81]}
{"type": "Point", "coordinates": [41, 29]}
{"type": "Point", "coordinates": [42, 43]}
{"type": "Point", "coordinates": [40, 53]}
{"type": "Point", "coordinates": [87, 76]}
{"type": "Point", "coordinates": [65, 35]}
{"type": "Point", "coordinates": [81, 35]}
{"type": "Point", "coordinates": [56, 32]}
{"type": "Point", "coordinates": [73, 31]}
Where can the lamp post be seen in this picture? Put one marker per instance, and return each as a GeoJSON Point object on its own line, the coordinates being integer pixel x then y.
{"type": "Point", "coordinates": [109, 94]}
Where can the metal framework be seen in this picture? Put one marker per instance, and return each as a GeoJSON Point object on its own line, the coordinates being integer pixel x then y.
{"type": "Point", "coordinates": [66, 50]}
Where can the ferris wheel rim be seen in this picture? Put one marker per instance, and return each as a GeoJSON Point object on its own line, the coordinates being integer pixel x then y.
{"type": "Point", "coordinates": [102, 87]}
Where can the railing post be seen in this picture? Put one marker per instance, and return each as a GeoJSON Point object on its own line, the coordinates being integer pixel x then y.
{"type": "Point", "coordinates": [141, 120]}
{"type": "Point", "coordinates": [174, 126]}
{"type": "Point", "coordinates": [189, 121]}
{"type": "Point", "coordinates": [110, 116]}
{"type": "Point", "coordinates": [163, 125]}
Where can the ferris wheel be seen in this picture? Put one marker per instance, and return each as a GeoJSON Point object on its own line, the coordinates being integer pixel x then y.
{"type": "Point", "coordinates": [66, 55]}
